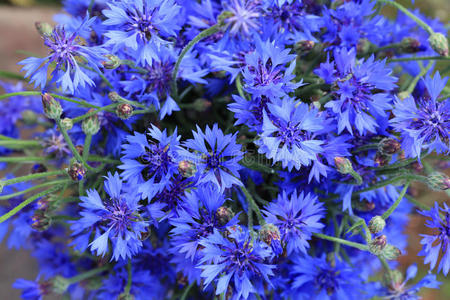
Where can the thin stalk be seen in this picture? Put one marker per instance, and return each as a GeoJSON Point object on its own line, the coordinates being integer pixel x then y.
{"type": "Point", "coordinates": [252, 203]}
{"type": "Point", "coordinates": [36, 187]}
{"type": "Point", "coordinates": [341, 241]}
{"type": "Point", "coordinates": [88, 274]}
{"type": "Point", "coordinates": [130, 278]}
{"type": "Point", "coordinates": [103, 159]}
{"type": "Point", "coordinates": [416, 79]}
{"type": "Point", "coordinates": [94, 112]}
{"type": "Point", "coordinates": [87, 146]}
{"type": "Point", "coordinates": [412, 58]}
{"type": "Point", "coordinates": [186, 291]}
{"type": "Point", "coordinates": [396, 203]}
{"type": "Point", "coordinates": [35, 93]}
{"type": "Point", "coordinates": [31, 177]}
{"type": "Point", "coordinates": [20, 144]}
{"type": "Point", "coordinates": [239, 86]}
{"type": "Point", "coordinates": [23, 159]}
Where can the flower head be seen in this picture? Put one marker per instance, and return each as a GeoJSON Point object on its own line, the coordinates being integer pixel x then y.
{"type": "Point", "coordinates": [32, 290]}
{"type": "Point", "coordinates": [244, 15]}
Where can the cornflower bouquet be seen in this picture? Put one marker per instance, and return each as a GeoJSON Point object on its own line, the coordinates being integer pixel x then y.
{"type": "Point", "coordinates": [233, 149]}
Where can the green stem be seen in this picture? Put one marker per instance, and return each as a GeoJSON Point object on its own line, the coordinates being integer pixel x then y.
{"type": "Point", "coordinates": [31, 177]}
{"type": "Point", "coordinates": [371, 146]}
{"type": "Point", "coordinates": [409, 14]}
{"type": "Point", "coordinates": [412, 58]}
{"type": "Point", "coordinates": [396, 203]}
{"type": "Point", "coordinates": [23, 159]}
{"type": "Point", "coordinates": [205, 33]}
{"type": "Point", "coordinates": [93, 112]}
{"type": "Point", "coordinates": [186, 291]}
{"type": "Point", "coordinates": [252, 203]}
{"type": "Point", "coordinates": [88, 274]}
{"type": "Point", "coordinates": [130, 278]}
{"type": "Point", "coordinates": [341, 241]}
{"type": "Point", "coordinates": [35, 93]}
{"type": "Point", "coordinates": [103, 159]}
{"type": "Point", "coordinates": [239, 86]}
{"type": "Point", "coordinates": [36, 187]}
{"type": "Point", "coordinates": [16, 209]}
{"type": "Point", "coordinates": [357, 177]}
{"type": "Point", "coordinates": [20, 144]}
{"type": "Point", "coordinates": [416, 79]}
{"type": "Point", "coordinates": [87, 146]}
{"type": "Point", "coordinates": [131, 64]}
{"type": "Point", "coordinates": [11, 75]}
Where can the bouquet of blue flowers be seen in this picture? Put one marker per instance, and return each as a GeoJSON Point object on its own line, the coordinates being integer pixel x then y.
{"type": "Point", "coordinates": [228, 149]}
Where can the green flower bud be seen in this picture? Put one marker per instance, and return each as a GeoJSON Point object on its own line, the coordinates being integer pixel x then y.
{"type": "Point", "coordinates": [438, 181]}
{"type": "Point", "coordinates": [124, 111]}
{"type": "Point", "coordinates": [52, 108]}
{"type": "Point", "coordinates": [224, 215]}
{"type": "Point", "coordinates": [439, 43]}
{"type": "Point", "coordinates": [363, 47]}
{"type": "Point", "coordinates": [377, 245]}
{"type": "Point", "coordinates": [390, 252]}
{"type": "Point", "coordinates": [91, 125]}
{"type": "Point", "coordinates": [114, 96]}
{"type": "Point", "coordinates": [187, 168]}
{"type": "Point", "coordinates": [403, 95]}
{"type": "Point", "coordinates": [112, 63]}
{"type": "Point", "coordinates": [40, 221]}
{"type": "Point", "coordinates": [393, 279]}
{"type": "Point", "coordinates": [44, 28]}
{"type": "Point", "coordinates": [343, 165]}
{"type": "Point", "coordinates": [409, 45]}
{"type": "Point", "coordinates": [66, 124]}
{"type": "Point", "coordinates": [76, 171]}
{"type": "Point", "coordinates": [29, 117]}
{"type": "Point", "coordinates": [60, 285]}
{"type": "Point", "coordinates": [270, 234]}
{"type": "Point", "coordinates": [376, 224]}
{"type": "Point", "coordinates": [389, 146]}
{"type": "Point", "coordinates": [201, 104]}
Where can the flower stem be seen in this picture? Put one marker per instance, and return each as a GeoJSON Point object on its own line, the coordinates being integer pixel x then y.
{"type": "Point", "coordinates": [23, 159]}
{"type": "Point", "coordinates": [31, 177]}
{"type": "Point", "coordinates": [253, 205]}
{"type": "Point", "coordinates": [412, 58]}
{"type": "Point", "coordinates": [87, 274]}
{"type": "Point", "coordinates": [186, 291]}
{"type": "Point", "coordinates": [130, 278]}
{"type": "Point", "coordinates": [409, 14]}
{"type": "Point", "coordinates": [341, 241]}
{"type": "Point", "coordinates": [35, 93]}
{"type": "Point", "coordinates": [239, 86]}
{"type": "Point", "coordinates": [36, 187]}
{"type": "Point", "coordinates": [205, 33]}
{"type": "Point", "coordinates": [396, 203]}
{"type": "Point", "coordinates": [16, 209]}
{"type": "Point", "coordinates": [94, 112]}
{"type": "Point", "coordinates": [20, 144]}
{"type": "Point", "coordinates": [416, 79]}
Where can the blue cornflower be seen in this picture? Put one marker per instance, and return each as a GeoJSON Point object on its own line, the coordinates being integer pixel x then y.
{"type": "Point", "coordinates": [198, 218]}
{"type": "Point", "coordinates": [142, 25]}
{"type": "Point", "coordinates": [401, 291]}
{"type": "Point", "coordinates": [236, 257]}
{"type": "Point", "coordinates": [319, 278]}
{"type": "Point", "coordinates": [297, 216]}
{"type": "Point", "coordinates": [116, 218]}
{"type": "Point", "coordinates": [288, 135]}
{"type": "Point", "coordinates": [65, 52]}
{"type": "Point", "coordinates": [245, 15]}
{"type": "Point", "coordinates": [265, 73]}
{"type": "Point", "coordinates": [357, 104]}
{"type": "Point", "coordinates": [150, 160]}
{"type": "Point", "coordinates": [424, 123]}
{"type": "Point", "coordinates": [32, 290]}
{"type": "Point", "coordinates": [218, 159]}
{"type": "Point", "coordinates": [433, 244]}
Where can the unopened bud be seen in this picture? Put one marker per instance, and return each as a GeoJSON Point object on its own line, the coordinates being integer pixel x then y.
{"type": "Point", "coordinates": [224, 215]}
{"type": "Point", "coordinates": [43, 204]}
{"type": "Point", "coordinates": [224, 15]}
{"type": "Point", "coordinates": [439, 43]}
{"type": "Point", "coordinates": [376, 224]}
{"type": "Point", "coordinates": [438, 181]}
{"type": "Point", "coordinates": [201, 104]}
{"type": "Point", "coordinates": [343, 165]}
{"type": "Point", "coordinates": [29, 117]}
{"type": "Point", "coordinates": [270, 234]}
{"type": "Point", "coordinates": [66, 124]}
{"type": "Point", "coordinates": [391, 252]}
{"type": "Point", "coordinates": [393, 279]}
{"type": "Point", "coordinates": [38, 168]}
{"type": "Point", "coordinates": [44, 28]}
{"type": "Point", "coordinates": [114, 96]}
{"type": "Point", "coordinates": [363, 206]}
{"type": "Point", "coordinates": [389, 146]}
{"type": "Point", "coordinates": [410, 45]}
{"type": "Point", "coordinates": [363, 47]}
{"type": "Point", "coordinates": [80, 149]}
{"type": "Point", "coordinates": [403, 95]}
{"type": "Point", "coordinates": [113, 62]}
{"type": "Point", "coordinates": [76, 171]}
{"type": "Point", "coordinates": [304, 46]}
{"type": "Point", "coordinates": [60, 285]}
{"type": "Point", "coordinates": [124, 111]}
{"type": "Point", "coordinates": [91, 125]}
{"type": "Point", "coordinates": [187, 168]}
{"type": "Point", "coordinates": [381, 159]}
{"type": "Point", "coordinates": [40, 221]}
{"type": "Point", "coordinates": [52, 108]}
{"type": "Point", "coordinates": [377, 245]}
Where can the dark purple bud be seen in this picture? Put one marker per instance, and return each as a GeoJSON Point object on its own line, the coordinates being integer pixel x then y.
{"type": "Point", "coordinates": [224, 215]}
{"type": "Point", "coordinates": [40, 221]}
{"type": "Point", "coordinates": [124, 111]}
{"type": "Point", "coordinates": [377, 245]}
{"type": "Point", "coordinates": [38, 168]}
{"type": "Point", "coordinates": [389, 146]}
{"type": "Point", "coordinates": [76, 171]}
{"type": "Point", "coordinates": [270, 234]}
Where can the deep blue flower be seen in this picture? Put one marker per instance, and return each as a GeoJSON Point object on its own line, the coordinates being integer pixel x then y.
{"type": "Point", "coordinates": [116, 219]}
{"type": "Point", "coordinates": [65, 51]}
{"type": "Point", "coordinates": [432, 245]}
{"type": "Point", "coordinates": [297, 216]}
{"type": "Point", "coordinates": [150, 160]}
{"type": "Point", "coordinates": [356, 103]}
{"type": "Point", "coordinates": [198, 217]}
{"type": "Point", "coordinates": [245, 14]}
{"type": "Point", "coordinates": [32, 290]}
{"type": "Point", "coordinates": [236, 257]}
{"type": "Point", "coordinates": [142, 25]}
{"type": "Point", "coordinates": [288, 135]}
{"type": "Point", "coordinates": [216, 156]}
{"type": "Point", "coordinates": [424, 123]}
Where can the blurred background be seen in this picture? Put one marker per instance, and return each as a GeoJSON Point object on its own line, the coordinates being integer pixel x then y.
{"type": "Point", "coordinates": [18, 35]}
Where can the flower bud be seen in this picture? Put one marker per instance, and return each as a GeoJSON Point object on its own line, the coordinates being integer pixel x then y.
{"type": "Point", "coordinates": [304, 46]}
{"type": "Point", "coordinates": [403, 95]}
{"type": "Point", "coordinates": [363, 47]}
{"type": "Point", "coordinates": [393, 279]}
{"type": "Point", "coordinates": [224, 16]}
{"type": "Point", "coordinates": [29, 117]}
{"type": "Point", "coordinates": [79, 149]}
{"type": "Point", "coordinates": [410, 45]}
{"type": "Point", "coordinates": [364, 205]}
{"type": "Point", "coordinates": [112, 63]}
{"type": "Point", "coordinates": [376, 224]}
{"type": "Point", "coordinates": [52, 108]}
{"type": "Point", "coordinates": [270, 234]}
{"type": "Point", "coordinates": [38, 168]}
{"type": "Point", "coordinates": [124, 111]}
{"type": "Point", "coordinates": [76, 171]}
{"type": "Point", "coordinates": [389, 146]}
{"type": "Point", "coordinates": [44, 28]}
{"type": "Point", "coordinates": [43, 204]}
{"type": "Point", "coordinates": [201, 104]}
{"type": "Point", "coordinates": [60, 285]}
{"type": "Point", "coordinates": [126, 296]}
{"type": "Point", "coordinates": [391, 252]}
{"type": "Point", "coordinates": [114, 96]}
{"type": "Point", "coordinates": [381, 159]}
{"type": "Point", "coordinates": [40, 221]}
{"type": "Point", "coordinates": [438, 181]}
{"type": "Point", "coordinates": [343, 165]}
{"type": "Point", "coordinates": [187, 168]}
{"type": "Point", "coordinates": [439, 43]}
{"type": "Point", "coordinates": [224, 215]}
{"type": "Point", "coordinates": [91, 125]}
{"type": "Point", "coordinates": [377, 245]}
{"type": "Point", "coordinates": [66, 124]}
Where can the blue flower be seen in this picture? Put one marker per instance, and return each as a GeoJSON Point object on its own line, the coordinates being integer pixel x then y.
{"type": "Point", "coordinates": [216, 155]}
{"type": "Point", "coordinates": [245, 14]}
{"type": "Point", "coordinates": [65, 50]}
{"type": "Point", "coordinates": [432, 245]}
{"type": "Point", "coordinates": [32, 290]}
{"type": "Point", "coordinates": [288, 134]}
{"type": "Point", "coordinates": [401, 291]}
{"type": "Point", "coordinates": [116, 218]}
{"type": "Point", "coordinates": [236, 257]}
{"type": "Point", "coordinates": [198, 217]}
{"type": "Point", "coordinates": [424, 123]}
{"type": "Point", "coordinates": [356, 104]}
{"type": "Point", "coordinates": [142, 25]}
{"type": "Point", "coordinates": [150, 160]}
{"type": "Point", "coordinates": [297, 216]}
